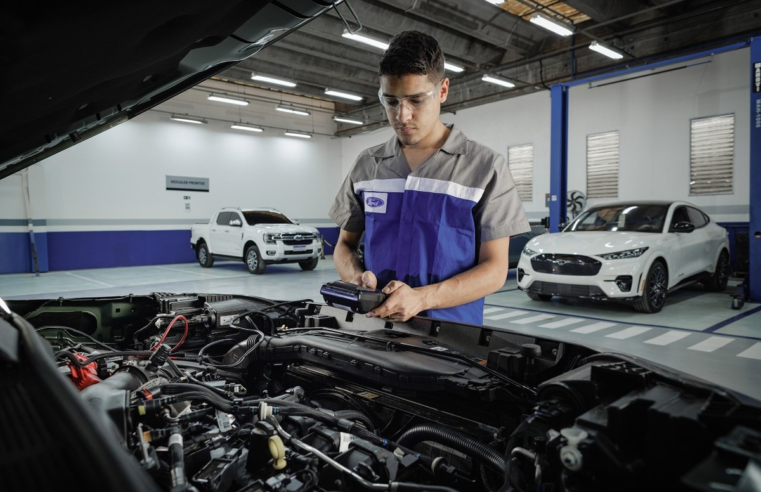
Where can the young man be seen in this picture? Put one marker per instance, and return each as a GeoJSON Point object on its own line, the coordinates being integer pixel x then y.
{"type": "Point", "coordinates": [437, 209]}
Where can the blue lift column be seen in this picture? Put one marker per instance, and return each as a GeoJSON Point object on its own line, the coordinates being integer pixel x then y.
{"type": "Point", "coordinates": [558, 156]}
{"type": "Point", "coordinates": [754, 229]}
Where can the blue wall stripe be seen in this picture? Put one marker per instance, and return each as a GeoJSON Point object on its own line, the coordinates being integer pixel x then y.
{"type": "Point", "coordinates": [16, 254]}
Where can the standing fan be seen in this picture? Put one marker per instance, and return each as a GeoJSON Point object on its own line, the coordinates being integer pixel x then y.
{"type": "Point", "coordinates": [576, 202]}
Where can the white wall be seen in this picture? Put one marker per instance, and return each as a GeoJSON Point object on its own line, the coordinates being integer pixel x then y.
{"type": "Point", "coordinates": [652, 115]}
{"type": "Point", "coordinates": [116, 180]}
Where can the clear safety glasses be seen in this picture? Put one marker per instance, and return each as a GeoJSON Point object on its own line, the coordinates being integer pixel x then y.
{"type": "Point", "coordinates": [413, 103]}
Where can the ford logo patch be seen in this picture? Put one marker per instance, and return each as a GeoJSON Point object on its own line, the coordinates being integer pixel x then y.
{"type": "Point", "coordinates": [374, 201]}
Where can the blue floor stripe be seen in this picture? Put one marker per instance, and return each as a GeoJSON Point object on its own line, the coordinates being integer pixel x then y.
{"type": "Point", "coordinates": [731, 320]}
{"type": "Point", "coordinates": [632, 323]}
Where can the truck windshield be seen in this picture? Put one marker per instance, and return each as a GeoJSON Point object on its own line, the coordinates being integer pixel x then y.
{"type": "Point", "coordinates": [254, 218]}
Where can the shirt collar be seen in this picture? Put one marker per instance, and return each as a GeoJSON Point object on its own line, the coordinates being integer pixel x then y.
{"type": "Point", "coordinates": [456, 143]}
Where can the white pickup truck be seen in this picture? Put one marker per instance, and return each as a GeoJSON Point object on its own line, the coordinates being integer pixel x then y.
{"type": "Point", "coordinates": [258, 236]}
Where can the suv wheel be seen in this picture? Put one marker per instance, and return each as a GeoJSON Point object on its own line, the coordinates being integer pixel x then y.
{"type": "Point", "coordinates": [254, 261]}
{"type": "Point", "coordinates": [309, 264]}
{"type": "Point", "coordinates": [718, 281]}
{"type": "Point", "coordinates": [656, 285]}
{"type": "Point", "coordinates": [204, 257]}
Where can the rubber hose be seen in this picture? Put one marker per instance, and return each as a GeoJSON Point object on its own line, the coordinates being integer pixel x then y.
{"type": "Point", "coordinates": [456, 440]}
{"type": "Point", "coordinates": [355, 415]}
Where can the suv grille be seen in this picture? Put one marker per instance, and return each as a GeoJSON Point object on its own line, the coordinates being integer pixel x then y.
{"type": "Point", "coordinates": [566, 265]}
{"type": "Point", "coordinates": [297, 239]}
{"type": "Point", "coordinates": [566, 290]}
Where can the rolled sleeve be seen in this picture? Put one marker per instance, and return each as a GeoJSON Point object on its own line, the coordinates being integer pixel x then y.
{"type": "Point", "coordinates": [347, 210]}
{"type": "Point", "coordinates": [500, 212]}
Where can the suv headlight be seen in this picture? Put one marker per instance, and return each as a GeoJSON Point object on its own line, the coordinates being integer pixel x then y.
{"type": "Point", "coordinates": [621, 255]}
{"type": "Point", "coordinates": [271, 238]}
{"type": "Point", "coordinates": [529, 252]}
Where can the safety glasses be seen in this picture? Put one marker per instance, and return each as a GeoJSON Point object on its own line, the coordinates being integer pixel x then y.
{"type": "Point", "coordinates": [416, 102]}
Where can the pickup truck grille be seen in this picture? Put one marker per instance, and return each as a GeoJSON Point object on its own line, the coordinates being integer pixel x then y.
{"type": "Point", "coordinates": [295, 242]}
{"type": "Point", "coordinates": [298, 252]}
{"type": "Point", "coordinates": [297, 239]}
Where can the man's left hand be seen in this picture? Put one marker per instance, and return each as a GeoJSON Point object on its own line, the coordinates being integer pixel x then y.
{"type": "Point", "coordinates": [403, 302]}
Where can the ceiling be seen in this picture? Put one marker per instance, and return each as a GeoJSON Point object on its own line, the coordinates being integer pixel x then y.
{"type": "Point", "coordinates": [485, 38]}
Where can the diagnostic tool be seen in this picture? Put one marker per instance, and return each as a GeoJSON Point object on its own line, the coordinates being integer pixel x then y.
{"type": "Point", "coordinates": [351, 296]}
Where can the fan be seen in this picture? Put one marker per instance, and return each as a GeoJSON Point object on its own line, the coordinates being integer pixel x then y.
{"type": "Point", "coordinates": [576, 201]}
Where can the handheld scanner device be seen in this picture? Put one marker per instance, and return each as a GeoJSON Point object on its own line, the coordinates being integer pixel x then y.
{"type": "Point", "coordinates": [351, 297]}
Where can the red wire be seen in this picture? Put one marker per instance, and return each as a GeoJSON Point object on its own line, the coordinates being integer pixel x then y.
{"type": "Point", "coordinates": [166, 333]}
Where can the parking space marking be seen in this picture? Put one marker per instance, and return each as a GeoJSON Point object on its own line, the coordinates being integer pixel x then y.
{"type": "Point", "coordinates": [754, 352]}
{"type": "Point", "coordinates": [532, 319]}
{"type": "Point", "coordinates": [511, 314]}
{"type": "Point", "coordinates": [89, 279]}
{"type": "Point", "coordinates": [593, 328]}
{"type": "Point", "coordinates": [711, 344]}
{"type": "Point", "coordinates": [668, 338]}
{"type": "Point", "coordinates": [562, 323]}
{"type": "Point", "coordinates": [493, 310]}
{"type": "Point", "coordinates": [629, 332]}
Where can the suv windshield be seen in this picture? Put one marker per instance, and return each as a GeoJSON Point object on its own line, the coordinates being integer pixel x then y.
{"type": "Point", "coordinates": [621, 218]}
{"type": "Point", "coordinates": [254, 218]}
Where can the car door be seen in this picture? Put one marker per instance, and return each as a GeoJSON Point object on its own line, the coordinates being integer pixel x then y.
{"type": "Point", "coordinates": [234, 243]}
{"type": "Point", "coordinates": [686, 248]}
{"type": "Point", "coordinates": [705, 260]}
{"type": "Point", "coordinates": [220, 229]}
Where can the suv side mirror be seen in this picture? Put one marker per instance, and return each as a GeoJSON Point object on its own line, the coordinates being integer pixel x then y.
{"type": "Point", "coordinates": [683, 227]}
{"type": "Point", "coordinates": [236, 223]}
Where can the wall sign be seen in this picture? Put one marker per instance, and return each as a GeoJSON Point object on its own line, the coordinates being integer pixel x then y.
{"type": "Point", "coordinates": [757, 77]}
{"type": "Point", "coordinates": [187, 183]}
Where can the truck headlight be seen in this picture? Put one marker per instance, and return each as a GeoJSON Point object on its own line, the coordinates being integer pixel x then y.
{"type": "Point", "coordinates": [271, 238]}
{"type": "Point", "coordinates": [621, 255]}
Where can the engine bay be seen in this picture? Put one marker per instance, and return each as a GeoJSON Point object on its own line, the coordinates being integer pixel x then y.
{"type": "Point", "coordinates": [210, 392]}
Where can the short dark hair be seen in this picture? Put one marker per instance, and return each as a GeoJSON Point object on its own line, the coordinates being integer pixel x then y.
{"type": "Point", "coordinates": [413, 52]}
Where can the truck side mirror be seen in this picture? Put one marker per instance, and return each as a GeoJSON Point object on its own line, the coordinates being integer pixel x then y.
{"type": "Point", "coordinates": [236, 223]}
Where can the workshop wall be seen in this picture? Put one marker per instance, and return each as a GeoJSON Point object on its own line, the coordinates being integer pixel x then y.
{"type": "Point", "coordinates": [107, 203]}
{"type": "Point", "coordinates": [652, 115]}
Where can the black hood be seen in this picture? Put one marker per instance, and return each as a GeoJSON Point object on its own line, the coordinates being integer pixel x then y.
{"type": "Point", "coordinates": [71, 71]}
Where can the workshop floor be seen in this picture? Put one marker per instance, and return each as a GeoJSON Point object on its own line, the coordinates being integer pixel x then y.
{"type": "Point", "coordinates": [697, 332]}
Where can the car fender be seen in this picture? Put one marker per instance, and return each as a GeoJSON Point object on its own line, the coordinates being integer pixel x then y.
{"type": "Point", "coordinates": [656, 254]}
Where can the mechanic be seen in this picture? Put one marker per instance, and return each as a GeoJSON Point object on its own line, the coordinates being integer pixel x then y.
{"type": "Point", "coordinates": [437, 209]}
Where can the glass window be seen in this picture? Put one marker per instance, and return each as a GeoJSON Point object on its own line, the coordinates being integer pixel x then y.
{"type": "Point", "coordinates": [520, 160]}
{"type": "Point", "coordinates": [223, 218]}
{"type": "Point", "coordinates": [602, 165]}
{"type": "Point", "coordinates": [697, 217]}
{"type": "Point", "coordinates": [712, 155]}
{"type": "Point", "coordinates": [235, 216]}
{"type": "Point", "coordinates": [680, 215]}
{"type": "Point", "coordinates": [622, 218]}
{"type": "Point", "coordinates": [263, 217]}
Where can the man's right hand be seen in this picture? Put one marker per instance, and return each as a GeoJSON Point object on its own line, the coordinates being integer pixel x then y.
{"type": "Point", "coordinates": [366, 279]}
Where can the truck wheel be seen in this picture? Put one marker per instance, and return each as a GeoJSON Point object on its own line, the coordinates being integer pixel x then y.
{"type": "Point", "coordinates": [309, 264]}
{"type": "Point", "coordinates": [204, 257]}
{"type": "Point", "coordinates": [254, 261]}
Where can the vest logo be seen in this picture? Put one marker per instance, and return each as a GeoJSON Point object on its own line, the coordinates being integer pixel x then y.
{"type": "Point", "coordinates": [374, 202]}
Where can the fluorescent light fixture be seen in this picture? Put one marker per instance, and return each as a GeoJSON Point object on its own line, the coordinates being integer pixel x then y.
{"type": "Point", "coordinates": [248, 128]}
{"type": "Point", "coordinates": [272, 80]}
{"type": "Point", "coordinates": [605, 50]}
{"type": "Point", "coordinates": [453, 68]}
{"type": "Point", "coordinates": [227, 99]}
{"type": "Point", "coordinates": [494, 80]}
{"type": "Point", "coordinates": [345, 95]}
{"type": "Point", "coordinates": [291, 109]}
{"type": "Point", "coordinates": [346, 120]}
{"type": "Point", "coordinates": [297, 134]}
{"type": "Point", "coordinates": [366, 40]}
{"type": "Point", "coordinates": [188, 119]}
{"type": "Point", "coordinates": [554, 26]}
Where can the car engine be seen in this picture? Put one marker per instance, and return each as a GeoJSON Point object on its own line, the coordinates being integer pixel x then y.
{"type": "Point", "coordinates": [208, 392]}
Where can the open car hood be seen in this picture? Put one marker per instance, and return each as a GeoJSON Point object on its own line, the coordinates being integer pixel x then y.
{"type": "Point", "coordinates": [71, 73]}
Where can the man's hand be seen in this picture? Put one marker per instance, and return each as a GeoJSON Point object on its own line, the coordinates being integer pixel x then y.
{"type": "Point", "coordinates": [365, 279]}
{"type": "Point", "coordinates": [403, 302]}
